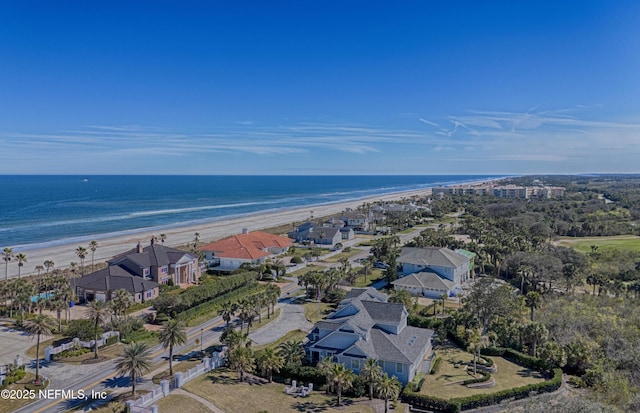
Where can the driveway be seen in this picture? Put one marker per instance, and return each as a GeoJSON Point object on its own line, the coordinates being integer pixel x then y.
{"type": "Point", "coordinates": [291, 318]}
{"type": "Point", "coordinates": [14, 342]}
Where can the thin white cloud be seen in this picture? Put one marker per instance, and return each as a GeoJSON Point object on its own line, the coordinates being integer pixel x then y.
{"type": "Point", "coordinates": [428, 122]}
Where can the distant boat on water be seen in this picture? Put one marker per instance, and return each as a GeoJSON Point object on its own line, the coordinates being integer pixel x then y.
{"type": "Point", "coordinates": [85, 180]}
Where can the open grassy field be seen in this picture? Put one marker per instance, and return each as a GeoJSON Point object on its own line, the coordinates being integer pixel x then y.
{"type": "Point", "coordinates": [305, 270]}
{"type": "Point", "coordinates": [221, 387]}
{"type": "Point", "coordinates": [619, 242]}
{"type": "Point", "coordinates": [444, 384]}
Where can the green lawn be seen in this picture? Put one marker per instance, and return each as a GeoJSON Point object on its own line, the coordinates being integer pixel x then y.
{"type": "Point", "coordinates": [343, 254]}
{"type": "Point", "coordinates": [10, 405]}
{"type": "Point", "coordinates": [221, 387]}
{"type": "Point", "coordinates": [305, 270]}
{"type": "Point", "coordinates": [374, 276]}
{"type": "Point", "coordinates": [291, 335]}
{"type": "Point", "coordinates": [180, 403]}
{"type": "Point", "coordinates": [619, 242]}
{"type": "Point", "coordinates": [314, 312]}
{"type": "Point", "coordinates": [445, 384]}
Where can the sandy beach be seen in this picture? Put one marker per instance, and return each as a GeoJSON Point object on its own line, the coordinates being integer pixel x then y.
{"type": "Point", "coordinates": [62, 255]}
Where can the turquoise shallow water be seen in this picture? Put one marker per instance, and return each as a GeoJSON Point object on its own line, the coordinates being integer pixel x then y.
{"type": "Point", "coordinates": [45, 210]}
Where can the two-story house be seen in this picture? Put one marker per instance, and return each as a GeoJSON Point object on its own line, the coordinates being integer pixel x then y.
{"type": "Point", "coordinates": [433, 271]}
{"type": "Point", "coordinates": [139, 271]}
{"type": "Point", "coordinates": [366, 326]}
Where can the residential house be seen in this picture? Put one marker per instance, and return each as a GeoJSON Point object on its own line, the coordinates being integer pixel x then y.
{"type": "Point", "coordinates": [311, 233]}
{"type": "Point", "coordinates": [433, 271]}
{"type": "Point", "coordinates": [358, 221]}
{"type": "Point", "coordinates": [365, 325]}
{"type": "Point", "coordinates": [139, 271]}
{"type": "Point", "coordinates": [249, 247]}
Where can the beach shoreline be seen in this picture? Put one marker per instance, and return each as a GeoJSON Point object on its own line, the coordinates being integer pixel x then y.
{"type": "Point", "coordinates": [63, 254]}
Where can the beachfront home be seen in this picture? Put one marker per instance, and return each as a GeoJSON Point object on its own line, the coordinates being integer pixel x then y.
{"type": "Point", "coordinates": [366, 326]}
{"type": "Point", "coordinates": [329, 234]}
{"type": "Point", "coordinates": [140, 271]}
{"type": "Point", "coordinates": [433, 271]}
{"type": "Point", "coordinates": [249, 247]}
{"type": "Point", "coordinates": [358, 221]}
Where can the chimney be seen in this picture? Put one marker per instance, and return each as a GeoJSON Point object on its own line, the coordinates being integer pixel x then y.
{"type": "Point", "coordinates": [139, 248]}
{"type": "Point", "coordinates": [245, 231]}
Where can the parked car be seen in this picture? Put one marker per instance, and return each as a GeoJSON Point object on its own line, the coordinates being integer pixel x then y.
{"type": "Point", "coordinates": [381, 264]}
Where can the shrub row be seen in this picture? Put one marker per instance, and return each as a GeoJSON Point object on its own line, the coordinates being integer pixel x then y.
{"type": "Point", "coordinates": [303, 374]}
{"type": "Point", "coordinates": [485, 377]}
{"type": "Point", "coordinates": [435, 366]}
{"type": "Point", "coordinates": [517, 357]}
{"type": "Point", "coordinates": [194, 296]}
{"type": "Point", "coordinates": [479, 400]}
{"type": "Point", "coordinates": [433, 323]}
{"type": "Point", "coordinates": [72, 352]}
{"type": "Point", "coordinates": [214, 304]}
{"type": "Point", "coordinates": [14, 376]}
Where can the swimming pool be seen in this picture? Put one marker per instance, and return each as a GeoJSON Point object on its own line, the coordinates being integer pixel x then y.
{"type": "Point", "coordinates": [45, 295]}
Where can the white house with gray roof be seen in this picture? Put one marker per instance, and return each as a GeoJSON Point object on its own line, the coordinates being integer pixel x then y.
{"type": "Point", "coordinates": [432, 271]}
{"type": "Point", "coordinates": [366, 326]}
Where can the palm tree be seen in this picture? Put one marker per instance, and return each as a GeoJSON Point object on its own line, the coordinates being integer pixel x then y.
{"type": "Point", "coordinates": [325, 365]}
{"type": "Point", "coordinates": [135, 362]}
{"type": "Point", "coordinates": [533, 300]}
{"type": "Point", "coordinates": [58, 305]}
{"type": "Point", "coordinates": [38, 326]}
{"type": "Point", "coordinates": [98, 312]}
{"type": "Point", "coordinates": [227, 311]}
{"type": "Point", "coordinates": [342, 379]}
{"type": "Point", "coordinates": [93, 246]}
{"type": "Point", "coordinates": [270, 361]}
{"type": "Point", "coordinates": [81, 252]}
{"type": "Point", "coordinates": [48, 264]}
{"type": "Point", "coordinates": [367, 266]}
{"type": "Point", "coordinates": [7, 255]}
{"type": "Point", "coordinates": [67, 295]}
{"type": "Point", "coordinates": [242, 360]}
{"type": "Point", "coordinates": [443, 297]}
{"type": "Point", "coordinates": [478, 341]}
{"type": "Point", "coordinates": [403, 297]}
{"type": "Point", "coordinates": [371, 372]}
{"type": "Point", "coordinates": [23, 293]}
{"type": "Point", "coordinates": [388, 388]}
{"type": "Point", "coordinates": [121, 301]}
{"type": "Point", "coordinates": [272, 294]}
{"type": "Point", "coordinates": [292, 351]}
{"type": "Point", "coordinates": [173, 334]}
{"type": "Point", "coordinates": [21, 258]}
{"type": "Point", "coordinates": [234, 339]}
{"type": "Point", "coordinates": [535, 332]}
{"type": "Point", "coordinates": [163, 238]}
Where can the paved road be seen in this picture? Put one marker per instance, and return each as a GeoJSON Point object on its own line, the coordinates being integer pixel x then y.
{"type": "Point", "coordinates": [104, 378]}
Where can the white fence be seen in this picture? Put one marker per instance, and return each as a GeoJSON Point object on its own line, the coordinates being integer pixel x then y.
{"type": "Point", "coordinates": [157, 392]}
{"type": "Point", "coordinates": [77, 343]}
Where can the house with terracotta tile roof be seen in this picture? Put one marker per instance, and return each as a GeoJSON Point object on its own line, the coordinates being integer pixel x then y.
{"type": "Point", "coordinates": [249, 247]}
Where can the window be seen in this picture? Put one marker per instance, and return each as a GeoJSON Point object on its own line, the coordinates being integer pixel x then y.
{"type": "Point", "coordinates": [381, 364]}
{"type": "Point", "coordinates": [164, 269]}
{"type": "Point", "coordinates": [149, 294]}
{"type": "Point", "coordinates": [398, 367]}
{"type": "Point", "coordinates": [355, 364]}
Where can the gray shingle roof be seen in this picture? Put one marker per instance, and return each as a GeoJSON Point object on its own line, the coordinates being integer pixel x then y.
{"type": "Point", "coordinates": [425, 279]}
{"type": "Point", "coordinates": [369, 340]}
{"type": "Point", "coordinates": [113, 278]}
{"type": "Point", "coordinates": [441, 257]}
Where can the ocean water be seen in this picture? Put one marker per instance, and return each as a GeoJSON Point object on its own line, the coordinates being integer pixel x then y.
{"type": "Point", "coordinates": [39, 211]}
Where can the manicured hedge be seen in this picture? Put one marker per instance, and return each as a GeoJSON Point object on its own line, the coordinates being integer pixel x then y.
{"type": "Point", "coordinates": [304, 374]}
{"type": "Point", "coordinates": [16, 375]}
{"type": "Point", "coordinates": [516, 356]}
{"type": "Point", "coordinates": [213, 304]}
{"type": "Point", "coordinates": [435, 366]}
{"type": "Point", "coordinates": [424, 322]}
{"type": "Point", "coordinates": [485, 377]}
{"type": "Point", "coordinates": [472, 402]}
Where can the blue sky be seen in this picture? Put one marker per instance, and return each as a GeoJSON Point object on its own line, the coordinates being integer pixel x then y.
{"type": "Point", "coordinates": [324, 87]}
